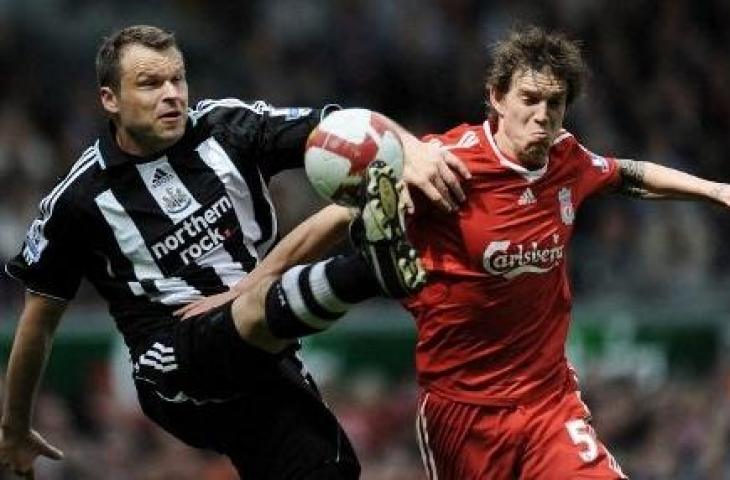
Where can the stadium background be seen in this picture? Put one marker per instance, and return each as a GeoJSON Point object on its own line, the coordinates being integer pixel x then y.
{"type": "Point", "coordinates": [651, 330]}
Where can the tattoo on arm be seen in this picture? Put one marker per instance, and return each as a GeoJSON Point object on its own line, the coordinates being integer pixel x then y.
{"type": "Point", "coordinates": [632, 178]}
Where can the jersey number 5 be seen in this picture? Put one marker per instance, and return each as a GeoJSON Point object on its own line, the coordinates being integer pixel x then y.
{"type": "Point", "coordinates": [581, 435]}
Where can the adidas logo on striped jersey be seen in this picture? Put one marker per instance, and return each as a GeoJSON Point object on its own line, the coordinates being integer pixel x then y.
{"type": "Point", "coordinates": [160, 177]}
{"type": "Point", "coordinates": [527, 197]}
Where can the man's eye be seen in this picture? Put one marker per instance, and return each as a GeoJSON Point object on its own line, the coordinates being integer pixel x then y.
{"type": "Point", "coordinates": [148, 83]}
{"type": "Point", "coordinates": [555, 102]}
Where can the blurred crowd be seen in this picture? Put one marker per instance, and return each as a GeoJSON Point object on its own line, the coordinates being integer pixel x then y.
{"type": "Point", "coordinates": [679, 430]}
{"type": "Point", "coordinates": [658, 91]}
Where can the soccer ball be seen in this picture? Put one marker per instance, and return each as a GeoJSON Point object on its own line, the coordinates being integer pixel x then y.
{"type": "Point", "coordinates": [341, 147]}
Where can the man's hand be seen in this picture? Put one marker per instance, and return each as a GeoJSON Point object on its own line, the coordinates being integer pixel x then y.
{"type": "Point", "coordinates": [18, 450]}
{"type": "Point", "coordinates": [205, 304]}
{"type": "Point", "coordinates": [434, 172]}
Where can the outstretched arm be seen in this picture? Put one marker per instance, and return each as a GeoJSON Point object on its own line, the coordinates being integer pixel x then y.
{"type": "Point", "coordinates": [648, 180]}
{"type": "Point", "coordinates": [309, 241]}
{"type": "Point", "coordinates": [19, 444]}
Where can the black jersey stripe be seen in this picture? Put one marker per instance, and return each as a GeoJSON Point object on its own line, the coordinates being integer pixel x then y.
{"type": "Point", "coordinates": [212, 179]}
{"type": "Point", "coordinates": [47, 206]}
{"type": "Point", "coordinates": [127, 235]}
{"type": "Point", "coordinates": [158, 223]}
{"type": "Point", "coordinates": [264, 213]}
{"type": "Point", "coordinates": [130, 191]}
{"type": "Point", "coordinates": [241, 246]}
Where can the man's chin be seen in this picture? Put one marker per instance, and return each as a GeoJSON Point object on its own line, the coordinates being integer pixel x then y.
{"type": "Point", "coordinates": [536, 153]}
{"type": "Point", "coordinates": [171, 135]}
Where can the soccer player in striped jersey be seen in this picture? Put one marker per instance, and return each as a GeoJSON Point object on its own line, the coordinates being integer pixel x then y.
{"type": "Point", "coordinates": [499, 399]}
{"type": "Point", "coordinates": [171, 204]}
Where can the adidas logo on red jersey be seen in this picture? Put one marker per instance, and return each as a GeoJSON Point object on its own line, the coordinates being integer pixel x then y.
{"type": "Point", "coordinates": [527, 197]}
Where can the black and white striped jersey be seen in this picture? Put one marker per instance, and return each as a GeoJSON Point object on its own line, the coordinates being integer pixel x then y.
{"type": "Point", "coordinates": [154, 233]}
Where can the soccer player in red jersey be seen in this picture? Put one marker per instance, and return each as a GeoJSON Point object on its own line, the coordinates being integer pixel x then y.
{"type": "Point", "coordinates": [499, 399]}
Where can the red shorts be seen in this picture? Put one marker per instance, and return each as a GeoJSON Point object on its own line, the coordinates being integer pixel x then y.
{"type": "Point", "coordinates": [549, 439]}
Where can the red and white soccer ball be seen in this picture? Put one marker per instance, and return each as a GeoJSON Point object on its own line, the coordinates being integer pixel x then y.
{"type": "Point", "coordinates": [341, 147]}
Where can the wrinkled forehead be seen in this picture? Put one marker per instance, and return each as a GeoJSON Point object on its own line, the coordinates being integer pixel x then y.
{"type": "Point", "coordinates": [544, 82]}
{"type": "Point", "coordinates": [138, 59]}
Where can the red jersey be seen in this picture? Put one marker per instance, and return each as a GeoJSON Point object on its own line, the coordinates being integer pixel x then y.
{"type": "Point", "coordinates": [493, 319]}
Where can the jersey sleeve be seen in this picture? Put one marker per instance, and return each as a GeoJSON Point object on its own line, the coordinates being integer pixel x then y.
{"type": "Point", "coordinates": [596, 173]}
{"type": "Point", "coordinates": [49, 262]}
{"type": "Point", "coordinates": [272, 137]}
{"type": "Point", "coordinates": [447, 139]}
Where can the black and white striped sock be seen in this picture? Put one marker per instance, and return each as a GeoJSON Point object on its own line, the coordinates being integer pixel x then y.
{"type": "Point", "coordinates": [308, 299]}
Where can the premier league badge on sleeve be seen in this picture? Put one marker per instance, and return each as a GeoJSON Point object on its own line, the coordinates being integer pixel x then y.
{"type": "Point", "coordinates": [567, 212]}
{"type": "Point", "coordinates": [35, 242]}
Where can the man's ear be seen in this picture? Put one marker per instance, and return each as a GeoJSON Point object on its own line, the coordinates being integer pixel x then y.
{"type": "Point", "coordinates": [109, 100]}
{"type": "Point", "coordinates": [495, 100]}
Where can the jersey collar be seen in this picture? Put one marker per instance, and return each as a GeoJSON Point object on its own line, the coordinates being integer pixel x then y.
{"type": "Point", "coordinates": [527, 174]}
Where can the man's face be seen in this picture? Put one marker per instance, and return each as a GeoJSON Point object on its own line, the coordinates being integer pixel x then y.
{"type": "Point", "coordinates": [151, 105]}
{"type": "Point", "coordinates": [530, 114]}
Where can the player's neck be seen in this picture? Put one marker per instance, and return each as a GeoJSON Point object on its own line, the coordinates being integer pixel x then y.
{"type": "Point", "coordinates": [132, 145]}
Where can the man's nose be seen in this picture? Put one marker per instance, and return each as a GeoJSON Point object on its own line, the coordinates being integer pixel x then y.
{"type": "Point", "coordinates": [541, 112]}
{"type": "Point", "coordinates": [171, 89]}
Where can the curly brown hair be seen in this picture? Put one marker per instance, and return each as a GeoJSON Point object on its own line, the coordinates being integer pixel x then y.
{"type": "Point", "coordinates": [108, 73]}
{"type": "Point", "coordinates": [532, 48]}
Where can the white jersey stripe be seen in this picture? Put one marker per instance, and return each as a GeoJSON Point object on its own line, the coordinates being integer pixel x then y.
{"type": "Point", "coordinates": [160, 357]}
{"type": "Point", "coordinates": [175, 291]}
{"type": "Point", "coordinates": [563, 135]}
{"type": "Point", "coordinates": [136, 288]}
{"type": "Point", "coordinates": [213, 154]}
{"type": "Point", "coordinates": [128, 237]}
{"type": "Point", "coordinates": [172, 291]}
{"type": "Point", "coordinates": [143, 360]}
{"type": "Point", "coordinates": [205, 106]}
{"type": "Point", "coordinates": [162, 348]}
{"type": "Point", "coordinates": [422, 434]}
{"type": "Point", "coordinates": [264, 247]}
{"type": "Point", "coordinates": [229, 271]}
{"type": "Point", "coordinates": [170, 193]}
